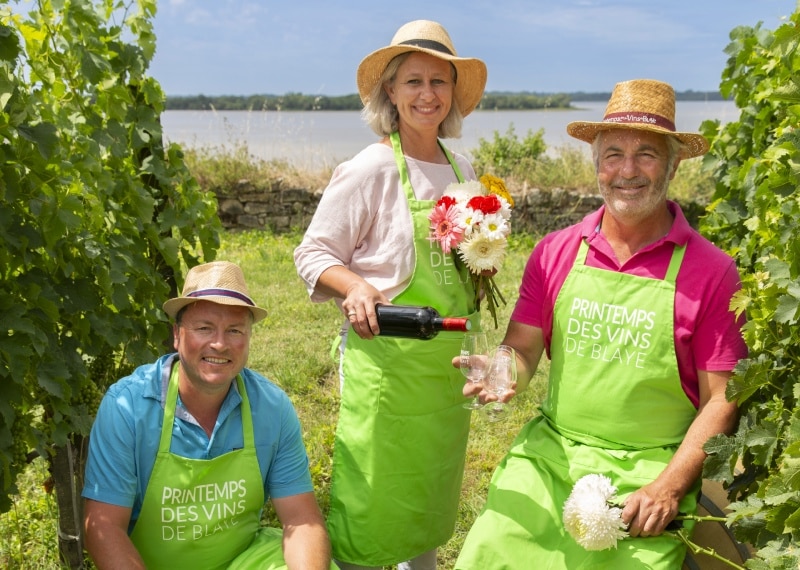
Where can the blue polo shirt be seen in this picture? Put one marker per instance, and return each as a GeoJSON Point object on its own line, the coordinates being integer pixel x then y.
{"type": "Point", "coordinates": [125, 436]}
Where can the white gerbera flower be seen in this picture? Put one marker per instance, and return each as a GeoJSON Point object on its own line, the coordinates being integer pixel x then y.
{"type": "Point", "coordinates": [481, 252]}
{"type": "Point", "coordinates": [469, 219]}
{"type": "Point", "coordinates": [588, 516]}
{"type": "Point", "coordinates": [495, 226]}
{"type": "Point", "coordinates": [463, 191]}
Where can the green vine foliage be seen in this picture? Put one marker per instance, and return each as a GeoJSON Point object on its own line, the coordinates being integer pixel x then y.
{"type": "Point", "coordinates": [97, 215]}
{"type": "Point", "coordinates": [755, 215]}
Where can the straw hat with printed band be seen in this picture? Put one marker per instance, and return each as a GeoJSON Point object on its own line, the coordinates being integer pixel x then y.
{"type": "Point", "coordinates": [642, 104]}
{"type": "Point", "coordinates": [220, 282]}
{"type": "Point", "coordinates": [431, 38]}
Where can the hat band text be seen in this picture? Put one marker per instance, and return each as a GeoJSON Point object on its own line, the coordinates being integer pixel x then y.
{"type": "Point", "coordinates": [221, 293]}
{"type": "Point", "coordinates": [427, 44]}
{"type": "Point", "coordinates": [635, 117]}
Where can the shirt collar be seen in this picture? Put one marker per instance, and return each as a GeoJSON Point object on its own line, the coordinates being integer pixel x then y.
{"type": "Point", "coordinates": [678, 234]}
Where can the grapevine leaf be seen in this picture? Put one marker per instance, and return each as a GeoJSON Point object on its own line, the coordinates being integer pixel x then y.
{"type": "Point", "coordinates": [790, 468]}
{"type": "Point", "coordinates": [786, 311]}
{"type": "Point", "coordinates": [9, 43]}
{"type": "Point", "coordinates": [43, 134]}
{"type": "Point", "coordinates": [721, 452]}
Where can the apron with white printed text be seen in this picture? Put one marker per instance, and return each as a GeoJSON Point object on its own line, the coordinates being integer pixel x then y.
{"type": "Point", "coordinates": [402, 431]}
{"type": "Point", "coordinates": [202, 513]}
{"type": "Point", "coordinates": [615, 406]}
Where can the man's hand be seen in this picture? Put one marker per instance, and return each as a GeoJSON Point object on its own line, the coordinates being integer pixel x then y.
{"type": "Point", "coordinates": [649, 510]}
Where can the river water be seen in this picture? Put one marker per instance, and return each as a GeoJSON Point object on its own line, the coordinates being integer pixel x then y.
{"type": "Point", "coordinates": [317, 139]}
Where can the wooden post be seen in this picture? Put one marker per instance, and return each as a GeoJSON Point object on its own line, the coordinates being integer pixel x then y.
{"type": "Point", "coordinates": [67, 468]}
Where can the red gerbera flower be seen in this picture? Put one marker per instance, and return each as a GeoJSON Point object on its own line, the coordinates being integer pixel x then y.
{"type": "Point", "coordinates": [486, 204]}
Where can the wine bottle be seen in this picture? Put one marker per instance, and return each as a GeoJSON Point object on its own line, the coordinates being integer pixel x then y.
{"type": "Point", "coordinates": [416, 322]}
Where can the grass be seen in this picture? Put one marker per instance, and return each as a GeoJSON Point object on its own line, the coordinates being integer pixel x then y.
{"type": "Point", "coordinates": [223, 168]}
{"type": "Point", "coordinates": [292, 348]}
{"type": "Point", "coordinates": [29, 530]}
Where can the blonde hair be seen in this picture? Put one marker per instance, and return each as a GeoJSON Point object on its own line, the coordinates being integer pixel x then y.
{"type": "Point", "coordinates": [381, 115]}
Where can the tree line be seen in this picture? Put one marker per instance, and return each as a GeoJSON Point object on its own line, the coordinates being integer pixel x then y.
{"type": "Point", "coordinates": [492, 100]}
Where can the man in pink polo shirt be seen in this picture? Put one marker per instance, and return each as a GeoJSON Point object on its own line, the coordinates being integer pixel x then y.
{"type": "Point", "coordinates": [632, 307]}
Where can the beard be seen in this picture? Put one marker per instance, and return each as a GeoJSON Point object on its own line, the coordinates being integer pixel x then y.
{"type": "Point", "coordinates": [629, 205]}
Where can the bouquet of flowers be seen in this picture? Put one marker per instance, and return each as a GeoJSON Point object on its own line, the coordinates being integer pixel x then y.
{"type": "Point", "coordinates": [472, 219]}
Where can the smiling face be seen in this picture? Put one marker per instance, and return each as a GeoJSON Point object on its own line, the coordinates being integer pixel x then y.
{"type": "Point", "coordinates": [633, 173]}
{"type": "Point", "coordinates": [213, 342]}
{"type": "Point", "coordinates": [422, 91]}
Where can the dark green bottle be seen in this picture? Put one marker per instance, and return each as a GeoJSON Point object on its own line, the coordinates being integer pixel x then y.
{"type": "Point", "coordinates": [416, 322]}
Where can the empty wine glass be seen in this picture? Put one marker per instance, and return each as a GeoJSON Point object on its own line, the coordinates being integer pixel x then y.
{"type": "Point", "coordinates": [501, 375]}
{"type": "Point", "coordinates": [474, 361]}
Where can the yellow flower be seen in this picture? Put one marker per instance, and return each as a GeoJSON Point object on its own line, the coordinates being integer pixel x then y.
{"type": "Point", "coordinates": [496, 186]}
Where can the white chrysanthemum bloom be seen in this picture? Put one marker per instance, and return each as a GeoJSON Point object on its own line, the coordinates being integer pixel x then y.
{"type": "Point", "coordinates": [595, 485]}
{"type": "Point", "coordinates": [463, 191]}
{"type": "Point", "coordinates": [469, 219]}
{"type": "Point", "coordinates": [495, 226]}
{"type": "Point", "coordinates": [482, 253]}
{"type": "Point", "coordinates": [589, 518]}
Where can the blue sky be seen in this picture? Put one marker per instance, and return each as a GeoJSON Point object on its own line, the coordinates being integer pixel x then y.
{"type": "Point", "coordinates": [244, 47]}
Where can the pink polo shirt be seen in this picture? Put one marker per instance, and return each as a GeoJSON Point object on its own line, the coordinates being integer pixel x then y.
{"type": "Point", "coordinates": [707, 334]}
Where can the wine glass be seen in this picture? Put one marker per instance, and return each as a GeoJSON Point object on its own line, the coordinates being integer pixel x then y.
{"type": "Point", "coordinates": [501, 375]}
{"type": "Point", "coordinates": [474, 361]}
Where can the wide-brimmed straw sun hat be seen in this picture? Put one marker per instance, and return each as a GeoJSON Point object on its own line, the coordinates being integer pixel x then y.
{"type": "Point", "coordinates": [642, 104]}
{"type": "Point", "coordinates": [427, 37]}
{"type": "Point", "coordinates": [220, 282]}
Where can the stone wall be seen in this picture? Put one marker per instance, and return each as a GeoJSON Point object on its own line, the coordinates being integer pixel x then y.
{"type": "Point", "coordinates": [282, 209]}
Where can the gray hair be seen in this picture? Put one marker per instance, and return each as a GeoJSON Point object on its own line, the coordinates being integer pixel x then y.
{"type": "Point", "coordinates": [381, 115]}
{"type": "Point", "coordinates": [674, 148]}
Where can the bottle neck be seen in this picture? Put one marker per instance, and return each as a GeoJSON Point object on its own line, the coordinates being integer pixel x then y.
{"type": "Point", "coordinates": [453, 324]}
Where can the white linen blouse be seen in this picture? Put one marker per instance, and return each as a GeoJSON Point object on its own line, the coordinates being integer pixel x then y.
{"type": "Point", "coordinates": [363, 223]}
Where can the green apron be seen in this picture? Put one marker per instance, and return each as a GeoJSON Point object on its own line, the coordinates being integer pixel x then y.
{"type": "Point", "coordinates": [615, 405]}
{"type": "Point", "coordinates": [402, 432]}
{"type": "Point", "coordinates": [202, 513]}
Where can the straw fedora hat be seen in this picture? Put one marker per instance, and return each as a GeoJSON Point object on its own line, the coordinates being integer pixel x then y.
{"type": "Point", "coordinates": [642, 104]}
{"type": "Point", "coordinates": [431, 38]}
{"type": "Point", "coordinates": [220, 282]}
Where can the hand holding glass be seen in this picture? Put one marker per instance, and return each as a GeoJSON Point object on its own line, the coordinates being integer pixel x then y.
{"type": "Point", "coordinates": [474, 361]}
{"type": "Point", "coordinates": [501, 376]}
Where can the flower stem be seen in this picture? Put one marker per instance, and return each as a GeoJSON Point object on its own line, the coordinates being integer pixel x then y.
{"type": "Point", "coordinates": [700, 518]}
{"type": "Point", "coordinates": [696, 548]}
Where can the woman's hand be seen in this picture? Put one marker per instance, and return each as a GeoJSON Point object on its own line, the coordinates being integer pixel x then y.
{"type": "Point", "coordinates": [359, 308]}
{"type": "Point", "coordinates": [359, 297]}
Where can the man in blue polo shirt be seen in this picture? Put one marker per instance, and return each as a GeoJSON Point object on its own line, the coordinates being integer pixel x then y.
{"type": "Point", "coordinates": [185, 452]}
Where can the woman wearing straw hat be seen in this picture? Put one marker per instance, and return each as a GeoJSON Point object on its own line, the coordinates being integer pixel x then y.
{"type": "Point", "coordinates": [402, 432]}
{"type": "Point", "coordinates": [632, 306]}
{"type": "Point", "coordinates": [185, 451]}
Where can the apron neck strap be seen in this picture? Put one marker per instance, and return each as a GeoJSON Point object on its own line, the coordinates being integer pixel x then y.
{"type": "Point", "coordinates": [172, 401]}
{"type": "Point", "coordinates": [402, 167]}
{"type": "Point", "coordinates": [675, 263]}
